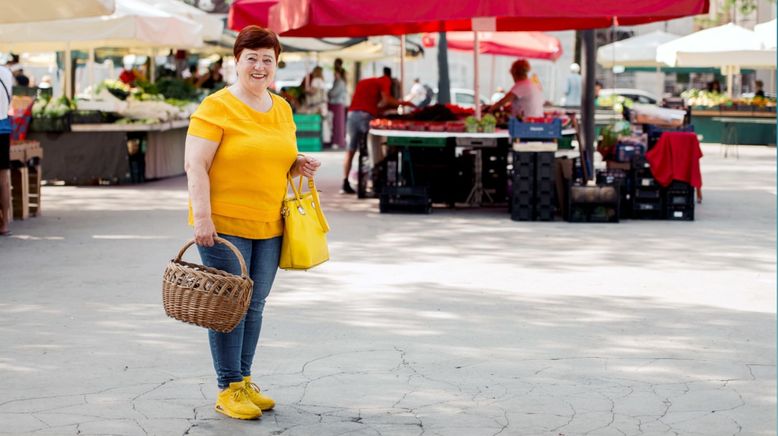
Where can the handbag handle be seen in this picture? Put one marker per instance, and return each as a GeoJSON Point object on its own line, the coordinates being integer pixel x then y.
{"type": "Point", "coordinates": [243, 270]}
{"type": "Point", "coordinates": [315, 194]}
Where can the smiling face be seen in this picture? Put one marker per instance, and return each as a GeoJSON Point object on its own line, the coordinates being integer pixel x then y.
{"type": "Point", "coordinates": [256, 69]}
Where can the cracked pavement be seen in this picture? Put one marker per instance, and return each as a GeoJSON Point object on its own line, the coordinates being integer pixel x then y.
{"type": "Point", "coordinates": [455, 323]}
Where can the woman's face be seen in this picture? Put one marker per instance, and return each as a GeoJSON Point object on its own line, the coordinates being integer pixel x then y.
{"type": "Point", "coordinates": [257, 68]}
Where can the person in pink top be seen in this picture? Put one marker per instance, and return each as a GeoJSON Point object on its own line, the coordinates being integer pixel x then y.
{"type": "Point", "coordinates": [526, 96]}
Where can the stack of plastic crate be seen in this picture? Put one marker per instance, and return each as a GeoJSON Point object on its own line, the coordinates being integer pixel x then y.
{"type": "Point", "coordinates": [534, 146]}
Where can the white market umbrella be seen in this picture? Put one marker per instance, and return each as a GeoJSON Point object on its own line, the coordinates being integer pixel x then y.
{"type": "Point", "coordinates": [718, 47]}
{"type": "Point", "coordinates": [729, 47]}
{"type": "Point", "coordinates": [135, 23]}
{"type": "Point", "coordinates": [638, 51]}
{"type": "Point", "coordinates": [44, 10]}
{"type": "Point", "coordinates": [767, 31]}
{"type": "Point", "coordinates": [213, 26]}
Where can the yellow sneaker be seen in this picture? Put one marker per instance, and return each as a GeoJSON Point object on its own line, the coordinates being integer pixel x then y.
{"type": "Point", "coordinates": [258, 398]}
{"type": "Point", "coordinates": [235, 403]}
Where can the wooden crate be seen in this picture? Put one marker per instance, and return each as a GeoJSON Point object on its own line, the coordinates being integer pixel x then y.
{"type": "Point", "coordinates": [20, 192]}
{"type": "Point", "coordinates": [34, 188]}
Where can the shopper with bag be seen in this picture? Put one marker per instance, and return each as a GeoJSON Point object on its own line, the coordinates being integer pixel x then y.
{"type": "Point", "coordinates": [240, 149]}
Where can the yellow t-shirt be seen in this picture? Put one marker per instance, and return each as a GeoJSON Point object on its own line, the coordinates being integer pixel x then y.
{"type": "Point", "coordinates": [248, 172]}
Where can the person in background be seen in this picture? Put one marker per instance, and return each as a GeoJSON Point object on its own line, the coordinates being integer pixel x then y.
{"type": "Point", "coordinates": [759, 92]}
{"type": "Point", "coordinates": [316, 92]}
{"type": "Point", "coordinates": [526, 97]}
{"type": "Point", "coordinates": [371, 97]}
{"type": "Point", "coordinates": [190, 75]}
{"type": "Point", "coordinates": [213, 79]}
{"type": "Point", "coordinates": [239, 149]}
{"type": "Point", "coordinates": [417, 94]}
{"type": "Point", "coordinates": [597, 89]}
{"type": "Point", "coordinates": [338, 99]}
{"type": "Point", "coordinates": [573, 87]}
{"type": "Point", "coordinates": [128, 75]}
{"type": "Point", "coordinates": [20, 79]}
{"type": "Point", "coordinates": [6, 127]}
{"type": "Point", "coordinates": [714, 86]}
{"type": "Point", "coordinates": [45, 87]}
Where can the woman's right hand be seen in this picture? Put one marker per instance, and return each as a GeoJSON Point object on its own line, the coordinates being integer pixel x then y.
{"type": "Point", "coordinates": [204, 231]}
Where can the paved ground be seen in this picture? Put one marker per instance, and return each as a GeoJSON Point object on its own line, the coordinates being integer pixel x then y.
{"type": "Point", "coordinates": [457, 323]}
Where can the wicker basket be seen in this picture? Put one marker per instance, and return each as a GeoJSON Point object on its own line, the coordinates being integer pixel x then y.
{"type": "Point", "coordinates": [205, 296]}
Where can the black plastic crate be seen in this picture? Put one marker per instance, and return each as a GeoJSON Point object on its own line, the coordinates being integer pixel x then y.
{"type": "Point", "coordinates": [646, 206]}
{"type": "Point", "coordinates": [611, 177]}
{"type": "Point", "coordinates": [544, 158]}
{"type": "Point", "coordinates": [523, 172]}
{"type": "Point", "coordinates": [412, 199]}
{"type": "Point", "coordinates": [520, 213]}
{"type": "Point", "coordinates": [646, 182]}
{"type": "Point", "coordinates": [679, 199]}
{"type": "Point", "coordinates": [523, 185]}
{"type": "Point", "coordinates": [680, 213]}
{"type": "Point", "coordinates": [545, 185]}
{"type": "Point", "coordinates": [544, 172]}
{"type": "Point", "coordinates": [522, 199]}
{"type": "Point", "coordinates": [647, 194]}
{"type": "Point", "coordinates": [523, 157]}
{"type": "Point", "coordinates": [545, 213]}
{"type": "Point", "coordinates": [593, 213]}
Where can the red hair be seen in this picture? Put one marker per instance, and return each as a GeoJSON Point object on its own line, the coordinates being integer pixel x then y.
{"type": "Point", "coordinates": [519, 69]}
{"type": "Point", "coordinates": [254, 37]}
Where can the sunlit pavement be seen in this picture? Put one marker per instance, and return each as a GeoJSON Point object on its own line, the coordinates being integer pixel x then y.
{"type": "Point", "coordinates": [461, 322]}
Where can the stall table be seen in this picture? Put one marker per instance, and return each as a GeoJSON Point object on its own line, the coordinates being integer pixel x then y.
{"type": "Point", "coordinates": [752, 127]}
{"type": "Point", "coordinates": [729, 138]}
{"type": "Point", "coordinates": [373, 154]}
{"type": "Point", "coordinates": [98, 153]}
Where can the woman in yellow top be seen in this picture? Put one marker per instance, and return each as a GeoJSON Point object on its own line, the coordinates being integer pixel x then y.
{"type": "Point", "coordinates": [239, 148]}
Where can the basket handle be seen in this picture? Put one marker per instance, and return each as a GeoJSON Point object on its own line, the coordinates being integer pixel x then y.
{"type": "Point", "coordinates": [243, 269]}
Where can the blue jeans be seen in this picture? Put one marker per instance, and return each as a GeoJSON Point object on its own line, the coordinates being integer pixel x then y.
{"type": "Point", "coordinates": [233, 352]}
{"type": "Point", "coordinates": [358, 125]}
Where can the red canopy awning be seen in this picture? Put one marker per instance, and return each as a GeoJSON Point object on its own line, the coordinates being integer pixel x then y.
{"type": "Point", "coordinates": [533, 45]}
{"type": "Point", "coordinates": [245, 12]}
{"type": "Point", "coordinates": [320, 18]}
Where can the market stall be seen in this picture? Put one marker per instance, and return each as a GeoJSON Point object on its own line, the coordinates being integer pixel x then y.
{"type": "Point", "coordinates": [113, 153]}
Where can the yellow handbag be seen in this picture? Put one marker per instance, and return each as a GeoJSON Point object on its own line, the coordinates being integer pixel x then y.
{"type": "Point", "coordinates": [305, 229]}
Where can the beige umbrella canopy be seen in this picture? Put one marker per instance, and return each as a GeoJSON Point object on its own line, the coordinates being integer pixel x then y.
{"type": "Point", "coordinates": [46, 10]}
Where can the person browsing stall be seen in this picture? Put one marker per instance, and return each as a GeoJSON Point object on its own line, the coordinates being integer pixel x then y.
{"type": "Point", "coordinates": [526, 97]}
{"type": "Point", "coordinates": [239, 149]}
{"type": "Point", "coordinates": [371, 97]}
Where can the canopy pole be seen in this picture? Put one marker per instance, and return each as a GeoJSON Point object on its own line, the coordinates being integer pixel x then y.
{"type": "Point", "coordinates": [587, 105]}
{"type": "Point", "coordinates": [491, 77]}
{"type": "Point", "coordinates": [90, 69]}
{"type": "Point", "coordinates": [402, 67]}
{"type": "Point", "coordinates": [68, 72]}
{"type": "Point", "coordinates": [730, 73]}
{"type": "Point", "coordinates": [476, 75]}
{"type": "Point", "coordinates": [660, 82]}
{"type": "Point", "coordinates": [152, 66]}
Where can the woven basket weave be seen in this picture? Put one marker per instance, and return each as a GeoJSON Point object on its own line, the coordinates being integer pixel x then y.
{"type": "Point", "coordinates": [205, 296]}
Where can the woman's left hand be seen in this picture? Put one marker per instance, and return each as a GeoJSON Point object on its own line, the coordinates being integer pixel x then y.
{"type": "Point", "coordinates": [307, 166]}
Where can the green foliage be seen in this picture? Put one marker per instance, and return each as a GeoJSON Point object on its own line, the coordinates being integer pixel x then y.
{"type": "Point", "coordinates": [178, 89]}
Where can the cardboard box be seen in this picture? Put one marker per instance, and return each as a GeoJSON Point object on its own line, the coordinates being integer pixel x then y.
{"type": "Point", "coordinates": [613, 165]}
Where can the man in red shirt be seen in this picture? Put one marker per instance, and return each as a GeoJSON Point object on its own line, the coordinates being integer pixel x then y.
{"type": "Point", "coordinates": [371, 97]}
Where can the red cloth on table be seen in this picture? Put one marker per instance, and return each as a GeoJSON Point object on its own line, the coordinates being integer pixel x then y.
{"type": "Point", "coordinates": [676, 157]}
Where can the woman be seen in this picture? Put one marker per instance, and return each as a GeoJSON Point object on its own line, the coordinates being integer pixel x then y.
{"type": "Point", "coordinates": [239, 149]}
{"type": "Point", "coordinates": [338, 99]}
{"type": "Point", "coordinates": [526, 97]}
